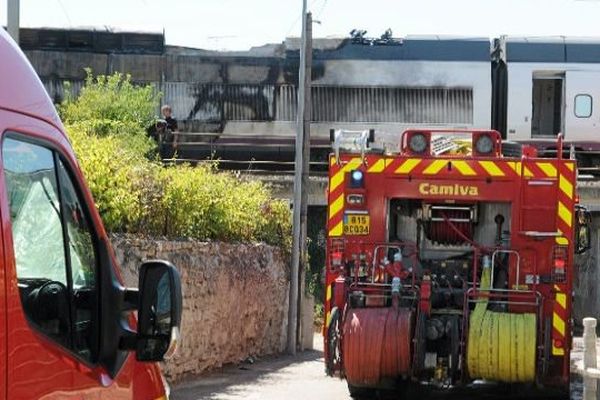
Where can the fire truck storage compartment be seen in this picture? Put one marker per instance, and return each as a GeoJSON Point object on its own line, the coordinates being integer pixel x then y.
{"type": "Point", "coordinates": [451, 261]}
{"type": "Point", "coordinates": [539, 202]}
{"type": "Point", "coordinates": [484, 223]}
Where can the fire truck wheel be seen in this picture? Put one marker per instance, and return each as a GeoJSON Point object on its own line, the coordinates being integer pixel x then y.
{"type": "Point", "coordinates": [360, 393]}
{"type": "Point", "coordinates": [419, 344]}
{"type": "Point", "coordinates": [334, 354]}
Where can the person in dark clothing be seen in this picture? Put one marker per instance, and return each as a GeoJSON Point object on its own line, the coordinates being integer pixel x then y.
{"type": "Point", "coordinates": [170, 137]}
{"type": "Point", "coordinates": [167, 112]}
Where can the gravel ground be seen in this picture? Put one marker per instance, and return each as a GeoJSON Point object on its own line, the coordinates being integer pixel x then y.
{"type": "Point", "coordinates": [301, 378]}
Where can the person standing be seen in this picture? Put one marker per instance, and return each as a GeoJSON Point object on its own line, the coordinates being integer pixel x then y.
{"type": "Point", "coordinates": [167, 113]}
{"type": "Point", "coordinates": [167, 133]}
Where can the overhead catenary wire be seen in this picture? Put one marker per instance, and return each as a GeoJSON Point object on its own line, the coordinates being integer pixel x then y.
{"type": "Point", "coordinates": [297, 19]}
{"type": "Point", "coordinates": [64, 10]}
{"type": "Point", "coordinates": [320, 12]}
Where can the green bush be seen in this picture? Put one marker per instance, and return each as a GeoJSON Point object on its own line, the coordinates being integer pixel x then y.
{"type": "Point", "coordinates": [113, 99]}
{"type": "Point", "coordinates": [136, 194]}
{"type": "Point", "coordinates": [107, 167]}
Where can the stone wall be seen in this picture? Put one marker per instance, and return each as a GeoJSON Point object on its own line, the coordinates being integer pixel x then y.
{"type": "Point", "coordinates": [235, 298]}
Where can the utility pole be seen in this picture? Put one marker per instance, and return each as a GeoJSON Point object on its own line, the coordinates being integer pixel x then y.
{"type": "Point", "coordinates": [306, 118]}
{"type": "Point", "coordinates": [292, 341]}
{"type": "Point", "coordinates": [12, 23]}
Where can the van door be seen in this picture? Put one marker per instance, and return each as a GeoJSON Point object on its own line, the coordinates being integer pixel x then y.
{"type": "Point", "coordinates": [582, 102]}
{"type": "Point", "coordinates": [3, 332]}
{"type": "Point", "coordinates": [52, 274]}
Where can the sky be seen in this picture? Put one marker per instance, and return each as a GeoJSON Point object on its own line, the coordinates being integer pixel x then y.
{"type": "Point", "coordinates": [241, 24]}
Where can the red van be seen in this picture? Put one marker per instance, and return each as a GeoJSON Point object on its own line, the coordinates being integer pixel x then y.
{"type": "Point", "coordinates": [68, 328]}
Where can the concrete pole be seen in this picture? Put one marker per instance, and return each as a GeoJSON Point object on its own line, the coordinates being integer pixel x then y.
{"type": "Point", "coordinates": [306, 118]}
{"type": "Point", "coordinates": [292, 341]}
{"type": "Point", "coordinates": [12, 23]}
{"type": "Point", "coordinates": [590, 385]}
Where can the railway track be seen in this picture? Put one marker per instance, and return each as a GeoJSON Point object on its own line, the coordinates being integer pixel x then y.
{"type": "Point", "coordinates": [317, 168]}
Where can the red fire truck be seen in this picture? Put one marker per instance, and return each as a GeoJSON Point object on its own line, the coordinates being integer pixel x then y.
{"type": "Point", "coordinates": [449, 263]}
{"type": "Point", "coordinates": [67, 324]}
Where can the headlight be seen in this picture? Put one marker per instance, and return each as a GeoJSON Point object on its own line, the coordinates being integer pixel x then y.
{"type": "Point", "coordinates": [356, 179]}
{"type": "Point", "coordinates": [417, 143]}
{"type": "Point", "coordinates": [484, 144]}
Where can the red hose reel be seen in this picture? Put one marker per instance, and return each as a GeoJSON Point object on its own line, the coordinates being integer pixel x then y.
{"type": "Point", "coordinates": [377, 344]}
{"type": "Point", "coordinates": [449, 225]}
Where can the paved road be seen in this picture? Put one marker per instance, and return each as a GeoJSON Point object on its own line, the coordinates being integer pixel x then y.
{"type": "Point", "coordinates": [290, 378]}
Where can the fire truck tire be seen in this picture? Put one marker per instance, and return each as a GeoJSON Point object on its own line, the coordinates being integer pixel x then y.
{"type": "Point", "coordinates": [547, 347]}
{"type": "Point", "coordinates": [360, 393]}
{"type": "Point", "coordinates": [333, 362]}
{"type": "Point", "coordinates": [419, 344]}
{"type": "Point", "coordinates": [512, 149]}
{"type": "Point", "coordinates": [454, 346]}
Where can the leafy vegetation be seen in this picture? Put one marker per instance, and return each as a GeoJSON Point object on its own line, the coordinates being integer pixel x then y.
{"type": "Point", "coordinates": [113, 100]}
{"type": "Point", "coordinates": [135, 193]}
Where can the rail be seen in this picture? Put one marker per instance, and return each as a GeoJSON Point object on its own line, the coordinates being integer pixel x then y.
{"type": "Point", "coordinates": [208, 143]}
{"type": "Point", "coordinates": [278, 168]}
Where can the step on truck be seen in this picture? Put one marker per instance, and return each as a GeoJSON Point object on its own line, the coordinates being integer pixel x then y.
{"type": "Point", "coordinates": [68, 329]}
{"type": "Point", "coordinates": [448, 263]}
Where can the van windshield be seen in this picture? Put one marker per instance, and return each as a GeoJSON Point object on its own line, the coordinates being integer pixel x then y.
{"type": "Point", "coordinates": [53, 245]}
{"type": "Point", "coordinates": [37, 229]}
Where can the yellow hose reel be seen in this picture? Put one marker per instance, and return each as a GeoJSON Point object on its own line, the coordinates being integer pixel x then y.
{"type": "Point", "coordinates": [501, 346]}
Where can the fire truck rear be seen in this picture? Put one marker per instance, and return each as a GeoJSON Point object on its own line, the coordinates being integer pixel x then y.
{"type": "Point", "coordinates": [449, 263]}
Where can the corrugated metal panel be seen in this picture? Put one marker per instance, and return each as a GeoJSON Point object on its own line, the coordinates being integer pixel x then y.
{"type": "Point", "coordinates": [178, 96]}
{"type": "Point", "coordinates": [227, 102]}
{"type": "Point", "coordinates": [55, 88]}
{"type": "Point", "coordinates": [221, 102]}
{"type": "Point", "coordinates": [381, 104]}
{"type": "Point", "coordinates": [286, 103]}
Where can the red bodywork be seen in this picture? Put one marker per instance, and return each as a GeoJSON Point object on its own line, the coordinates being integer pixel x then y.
{"type": "Point", "coordinates": [541, 196]}
{"type": "Point", "coordinates": [32, 366]}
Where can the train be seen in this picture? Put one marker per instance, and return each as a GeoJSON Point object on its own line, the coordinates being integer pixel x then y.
{"type": "Point", "coordinates": [528, 89]}
{"type": "Point", "coordinates": [242, 105]}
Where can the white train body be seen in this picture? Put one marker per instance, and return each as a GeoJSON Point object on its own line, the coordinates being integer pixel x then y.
{"type": "Point", "coordinates": [529, 89]}
{"type": "Point", "coordinates": [553, 86]}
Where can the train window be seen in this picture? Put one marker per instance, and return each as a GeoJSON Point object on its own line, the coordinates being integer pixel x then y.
{"type": "Point", "coordinates": [583, 106]}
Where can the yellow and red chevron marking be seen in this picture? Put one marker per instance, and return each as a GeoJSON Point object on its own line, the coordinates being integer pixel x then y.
{"type": "Point", "coordinates": [565, 172]}
{"type": "Point", "coordinates": [562, 170]}
{"type": "Point", "coordinates": [559, 321]}
{"type": "Point", "coordinates": [328, 305]}
{"type": "Point", "coordinates": [335, 212]}
{"type": "Point", "coordinates": [532, 169]}
{"type": "Point", "coordinates": [566, 202]}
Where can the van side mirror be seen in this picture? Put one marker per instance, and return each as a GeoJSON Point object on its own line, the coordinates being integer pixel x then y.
{"type": "Point", "coordinates": [159, 311]}
{"type": "Point", "coordinates": [583, 222]}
